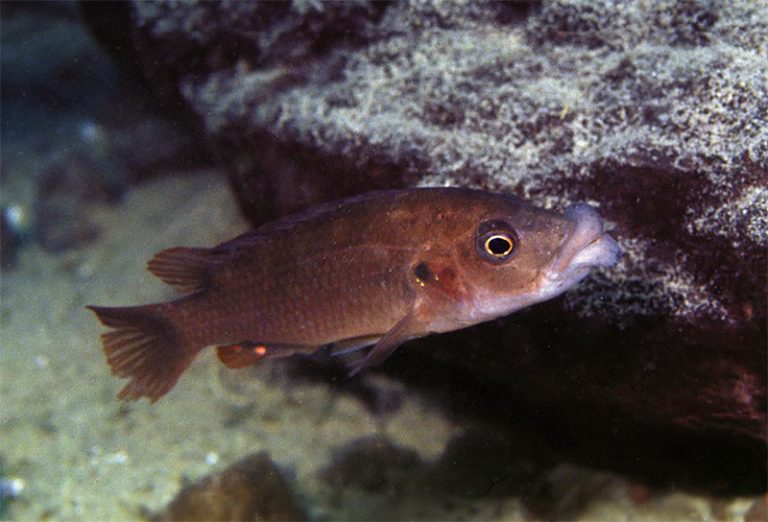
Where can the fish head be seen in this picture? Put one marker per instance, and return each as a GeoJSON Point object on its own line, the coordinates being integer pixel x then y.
{"type": "Point", "coordinates": [517, 255]}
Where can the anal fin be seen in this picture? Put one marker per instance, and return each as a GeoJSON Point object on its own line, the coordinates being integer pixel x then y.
{"type": "Point", "coordinates": [247, 353]}
{"type": "Point", "coordinates": [242, 354]}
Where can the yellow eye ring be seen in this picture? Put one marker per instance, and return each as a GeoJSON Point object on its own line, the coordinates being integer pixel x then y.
{"type": "Point", "coordinates": [499, 245]}
{"type": "Point", "coordinates": [496, 241]}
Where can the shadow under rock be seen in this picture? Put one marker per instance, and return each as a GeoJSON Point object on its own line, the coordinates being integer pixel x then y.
{"type": "Point", "coordinates": [573, 403]}
{"type": "Point", "coordinates": [581, 427]}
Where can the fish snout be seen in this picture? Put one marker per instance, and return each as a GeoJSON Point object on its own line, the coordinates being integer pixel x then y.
{"type": "Point", "coordinates": [587, 245]}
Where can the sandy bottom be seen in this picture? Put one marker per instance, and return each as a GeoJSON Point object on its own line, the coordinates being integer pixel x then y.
{"type": "Point", "coordinates": [84, 455]}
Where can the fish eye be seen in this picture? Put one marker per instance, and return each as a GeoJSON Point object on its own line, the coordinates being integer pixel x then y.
{"type": "Point", "coordinates": [498, 245]}
{"type": "Point", "coordinates": [496, 241]}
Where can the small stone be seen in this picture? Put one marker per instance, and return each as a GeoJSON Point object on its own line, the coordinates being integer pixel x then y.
{"type": "Point", "coordinates": [251, 489]}
{"type": "Point", "coordinates": [9, 238]}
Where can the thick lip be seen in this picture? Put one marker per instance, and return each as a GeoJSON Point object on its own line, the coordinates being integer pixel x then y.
{"type": "Point", "coordinates": [587, 246]}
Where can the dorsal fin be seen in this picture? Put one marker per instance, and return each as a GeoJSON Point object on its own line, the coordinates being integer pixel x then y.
{"type": "Point", "coordinates": [187, 269]}
{"type": "Point", "coordinates": [191, 269]}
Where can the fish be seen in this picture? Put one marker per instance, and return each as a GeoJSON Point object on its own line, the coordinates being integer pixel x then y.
{"type": "Point", "coordinates": [375, 270]}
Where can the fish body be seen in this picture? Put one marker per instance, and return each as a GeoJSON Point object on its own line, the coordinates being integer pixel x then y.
{"type": "Point", "coordinates": [380, 268]}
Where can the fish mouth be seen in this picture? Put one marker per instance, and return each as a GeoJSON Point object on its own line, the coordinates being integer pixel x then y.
{"type": "Point", "coordinates": [586, 247]}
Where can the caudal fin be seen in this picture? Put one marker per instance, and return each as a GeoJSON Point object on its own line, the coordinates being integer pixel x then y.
{"type": "Point", "coordinates": [144, 347]}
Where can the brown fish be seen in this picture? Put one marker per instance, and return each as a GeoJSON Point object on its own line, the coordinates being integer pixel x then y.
{"type": "Point", "coordinates": [377, 269]}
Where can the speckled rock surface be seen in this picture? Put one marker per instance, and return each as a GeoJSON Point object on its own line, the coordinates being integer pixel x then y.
{"type": "Point", "coordinates": [657, 113]}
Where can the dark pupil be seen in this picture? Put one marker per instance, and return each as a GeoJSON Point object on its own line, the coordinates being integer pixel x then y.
{"type": "Point", "coordinates": [498, 246]}
{"type": "Point", "coordinates": [422, 272]}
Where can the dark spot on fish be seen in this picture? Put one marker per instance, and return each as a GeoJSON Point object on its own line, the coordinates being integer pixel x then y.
{"type": "Point", "coordinates": [422, 272]}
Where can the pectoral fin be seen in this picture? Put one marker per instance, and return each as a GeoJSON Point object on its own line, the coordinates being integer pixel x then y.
{"type": "Point", "coordinates": [405, 329]}
{"type": "Point", "coordinates": [352, 345]}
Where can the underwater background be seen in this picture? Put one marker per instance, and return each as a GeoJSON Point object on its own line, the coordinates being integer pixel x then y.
{"type": "Point", "coordinates": [130, 127]}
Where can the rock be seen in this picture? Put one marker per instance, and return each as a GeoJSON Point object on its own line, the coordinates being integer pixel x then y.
{"type": "Point", "coordinates": [10, 237]}
{"type": "Point", "coordinates": [65, 189]}
{"type": "Point", "coordinates": [373, 464]}
{"type": "Point", "coordinates": [251, 489]}
{"type": "Point", "coordinates": [758, 511]}
{"type": "Point", "coordinates": [98, 135]}
{"type": "Point", "coordinates": [483, 468]}
{"type": "Point", "coordinates": [11, 489]}
{"type": "Point", "coordinates": [36, 92]}
{"type": "Point", "coordinates": [97, 166]}
{"type": "Point", "coordinates": [656, 113]}
{"type": "Point", "coordinates": [481, 463]}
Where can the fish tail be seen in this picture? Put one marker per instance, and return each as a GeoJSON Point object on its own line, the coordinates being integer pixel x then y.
{"type": "Point", "coordinates": [145, 347]}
